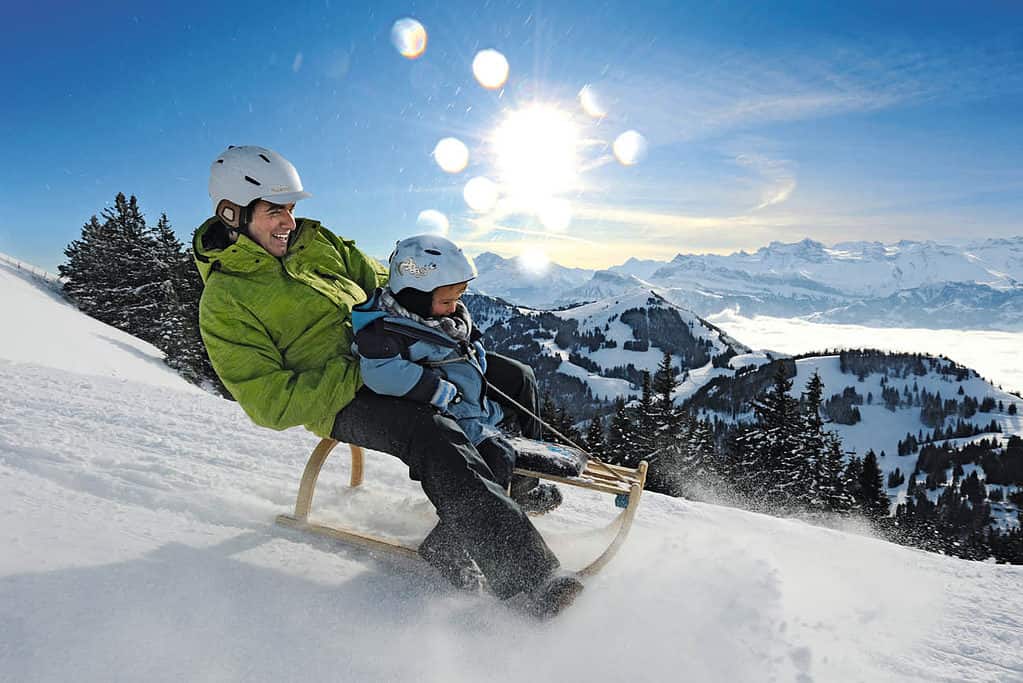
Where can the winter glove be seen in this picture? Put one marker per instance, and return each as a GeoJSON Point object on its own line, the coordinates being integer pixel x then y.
{"type": "Point", "coordinates": [481, 356]}
{"type": "Point", "coordinates": [445, 394]}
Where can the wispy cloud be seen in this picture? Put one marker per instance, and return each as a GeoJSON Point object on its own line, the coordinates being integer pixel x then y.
{"type": "Point", "coordinates": [673, 100]}
{"type": "Point", "coordinates": [776, 177]}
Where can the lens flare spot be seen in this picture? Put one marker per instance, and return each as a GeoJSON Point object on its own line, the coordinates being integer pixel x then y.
{"type": "Point", "coordinates": [555, 214]}
{"type": "Point", "coordinates": [409, 38]}
{"type": "Point", "coordinates": [433, 222]}
{"type": "Point", "coordinates": [480, 194]}
{"type": "Point", "coordinates": [451, 155]}
{"type": "Point", "coordinates": [630, 148]}
{"type": "Point", "coordinates": [490, 68]}
{"type": "Point", "coordinates": [592, 103]}
{"type": "Point", "coordinates": [534, 261]}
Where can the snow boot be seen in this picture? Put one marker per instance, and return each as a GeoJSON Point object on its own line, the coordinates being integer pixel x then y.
{"type": "Point", "coordinates": [534, 497]}
{"type": "Point", "coordinates": [552, 596]}
{"type": "Point", "coordinates": [452, 562]}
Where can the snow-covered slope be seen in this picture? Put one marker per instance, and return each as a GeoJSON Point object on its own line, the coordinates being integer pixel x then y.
{"type": "Point", "coordinates": [139, 545]}
{"type": "Point", "coordinates": [41, 327]}
{"type": "Point", "coordinates": [599, 350]}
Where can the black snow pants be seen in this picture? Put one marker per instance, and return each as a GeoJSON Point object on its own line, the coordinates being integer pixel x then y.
{"type": "Point", "coordinates": [474, 510]}
{"type": "Point", "coordinates": [518, 381]}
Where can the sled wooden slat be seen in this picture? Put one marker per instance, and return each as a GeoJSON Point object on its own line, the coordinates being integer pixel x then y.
{"type": "Point", "coordinates": [364, 540]}
{"type": "Point", "coordinates": [581, 481]}
{"type": "Point", "coordinates": [622, 481]}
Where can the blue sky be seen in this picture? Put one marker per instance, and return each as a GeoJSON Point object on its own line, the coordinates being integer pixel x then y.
{"type": "Point", "coordinates": [763, 121]}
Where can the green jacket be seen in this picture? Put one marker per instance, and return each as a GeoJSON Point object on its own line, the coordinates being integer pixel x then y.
{"type": "Point", "coordinates": [279, 331]}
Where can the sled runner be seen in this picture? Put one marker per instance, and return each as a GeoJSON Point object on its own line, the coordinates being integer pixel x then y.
{"type": "Point", "coordinates": [554, 462]}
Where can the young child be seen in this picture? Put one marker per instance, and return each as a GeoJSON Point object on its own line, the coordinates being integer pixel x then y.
{"type": "Point", "coordinates": [415, 340]}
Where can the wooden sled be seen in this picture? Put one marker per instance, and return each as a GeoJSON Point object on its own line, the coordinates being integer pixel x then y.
{"type": "Point", "coordinates": [624, 483]}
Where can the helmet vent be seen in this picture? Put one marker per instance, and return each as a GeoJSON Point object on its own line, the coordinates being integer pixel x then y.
{"type": "Point", "coordinates": [432, 251]}
{"type": "Point", "coordinates": [264, 158]}
{"type": "Point", "coordinates": [253, 180]}
{"type": "Point", "coordinates": [220, 161]}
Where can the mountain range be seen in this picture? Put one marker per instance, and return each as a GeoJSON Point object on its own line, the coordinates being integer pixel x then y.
{"type": "Point", "coordinates": [976, 285]}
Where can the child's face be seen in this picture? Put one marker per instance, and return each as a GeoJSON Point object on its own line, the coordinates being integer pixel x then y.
{"type": "Point", "coordinates": [445, 298]}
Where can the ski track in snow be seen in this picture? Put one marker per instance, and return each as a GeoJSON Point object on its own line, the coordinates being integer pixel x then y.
{"type": "Point", "coordinates": [139, 545]}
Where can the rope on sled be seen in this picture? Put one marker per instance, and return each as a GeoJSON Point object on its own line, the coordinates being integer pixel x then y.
{"type": "Point", "coordinates": [590, 457]}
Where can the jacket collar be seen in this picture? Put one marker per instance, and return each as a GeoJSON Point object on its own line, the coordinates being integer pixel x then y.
{"type": "Point", "coordinates": [213, 251]}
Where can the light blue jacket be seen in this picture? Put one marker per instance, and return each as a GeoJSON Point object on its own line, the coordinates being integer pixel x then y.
{"type": "Point", "coordinates": [401, 357]}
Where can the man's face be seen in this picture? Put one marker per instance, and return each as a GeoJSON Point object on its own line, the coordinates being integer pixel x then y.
{"type": "Point", "coordinates": [445, 298]}
{"type": "Point", "coordinates": [271, 225]}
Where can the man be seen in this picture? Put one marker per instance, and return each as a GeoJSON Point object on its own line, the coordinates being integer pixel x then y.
{"type": "Point", "coordinates": [275, 316]}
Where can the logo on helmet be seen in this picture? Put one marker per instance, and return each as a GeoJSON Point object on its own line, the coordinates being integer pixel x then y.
{"type": "Point", "coordinates": [410, 267]}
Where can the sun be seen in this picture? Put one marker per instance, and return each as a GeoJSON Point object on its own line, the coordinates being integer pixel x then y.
{"type": "Point", "coordinates": [536, 154]}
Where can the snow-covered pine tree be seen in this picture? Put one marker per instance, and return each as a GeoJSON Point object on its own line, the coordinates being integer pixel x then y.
{"type": "Point", "coordinates": [873, 497]}
{"type": "Point", "coordinates": [134, 300]}
{"type": "Point", "coordinates": [167, 328]}
{"type": "Point", "coordinates": [832, 487]}
{"type": "Point", "coordinates": [594, 440]}
{"type": "Point", "coordinates": [821, 453]}
{"type": "Point", "coordinates": [559, 418]}
{"type": "Point", "coordinates": [774, 443]}
{"type": "Point", "coordinates": [177, 327]}
{"type": "Point", "coordinates": [700, 447]}
{"type": "Point", "coordinates": [663, 431]}
{"type": "Point", "coordinates": [645, 435]}
{"type": "Point", "coordinates": [668, 420]}
{"type": "Point", "coordinates": [853, 473]}
{"type": "Point", "coordinates": [85, 270]}
{"type": "Point", "coordinates": [139, 280]}
{"type": "Point", "coordinates": [104, 267]}
{"type": "Point", "coordinates": [621, 449]}
{"type": "Point", "coordinates": [742, 462]}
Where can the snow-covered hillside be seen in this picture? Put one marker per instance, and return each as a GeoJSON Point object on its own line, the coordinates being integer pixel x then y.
{"type": "Point", "coordinates": [596, 352]}
{"type": "Point", "coordinates": [137, 524]}
{"type": "Point", "coordinates": [881, 429]}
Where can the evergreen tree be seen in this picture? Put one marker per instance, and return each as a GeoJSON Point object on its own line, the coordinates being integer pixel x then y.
{"type": "Point", "coordinates": [85, 270]}
{"type": "Point", "coordinates": [667, 420]}
{"type": "Point", "coordinates": [644, 423]}
{"type": "Point", "coordinates": [773, 444]}
{"type": "Point", "coordinates": [853, 474]}
{"type": "Point", "coordinates": [594, 441]}
{"type": "Point", "coordinates": [742, 463]}
{"type": "Point", "coordinates": [138, 279]}
{"type": "Point", "coordinates": [824, 486]}
{"type": "Point", "coordinates": [558, 417]}
{"type": "Point", "coordinates": [113, 282]}
{"type": "Point", "coordinates": [621, 449]}
{"type": "Point", "coordinates": [832, 486]}
{"type": "Point", "coordinates": [873, 496]}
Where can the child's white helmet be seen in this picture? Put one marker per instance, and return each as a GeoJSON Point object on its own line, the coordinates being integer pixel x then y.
{"type": "Point", "coordinates": [240, 175]}
{"type": "Point", "coordinates": [426, 262]}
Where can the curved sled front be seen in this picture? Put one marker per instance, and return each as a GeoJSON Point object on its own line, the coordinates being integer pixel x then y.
{"type": "Point", "coordinates": [622, 482]}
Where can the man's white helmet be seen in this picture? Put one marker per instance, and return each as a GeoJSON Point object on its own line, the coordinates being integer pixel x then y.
{"type": "Point", "coordinates": [240, 175]}
{"type": "Point", "coordinates": [426, 262]}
